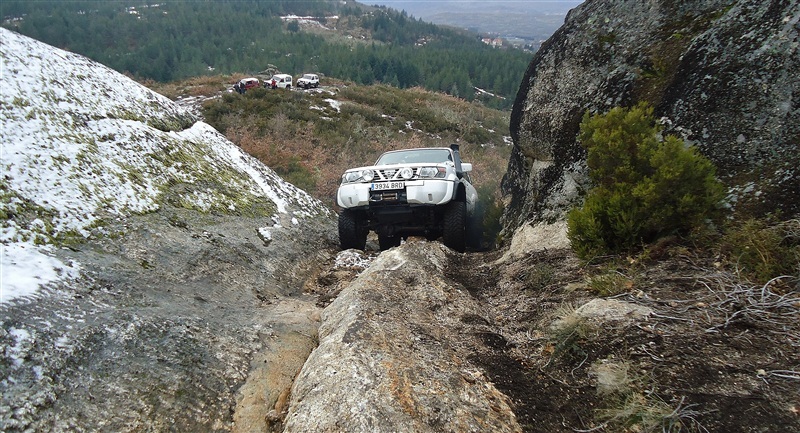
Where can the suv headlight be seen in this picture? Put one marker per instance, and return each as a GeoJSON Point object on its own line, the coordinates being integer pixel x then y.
{"type": "Point", "coordinates": [351, 176]}
{"type": "Point", "coordinates": [355, 176]}
{"type": "Point", "coordinates": [432, 172]}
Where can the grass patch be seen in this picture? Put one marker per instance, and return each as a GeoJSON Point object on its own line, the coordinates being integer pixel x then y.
{"type": "Point", "coordinates": [567, 336]}
{"type": "Point", "coordinates": [762, 250]}
{"type": "Point", "coordinates": [609, 283]}
{"type": "Point", "coordinates": [632, 405]}
{"type": "Point", "coordinates": [540, 276]}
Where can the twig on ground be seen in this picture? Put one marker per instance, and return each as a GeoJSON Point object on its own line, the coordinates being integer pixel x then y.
{"type": "Point", "coordinates": [737, 301]}
{"type": "Point", "coordinates": [785, 374]}
{"type": "Point", "coordinates": [600, 427]}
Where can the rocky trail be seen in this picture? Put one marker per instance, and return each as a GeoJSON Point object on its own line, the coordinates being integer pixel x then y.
{"type": "Point", "coordinates": [430, 340]}
{"type": "Point", "coordinates": [199, 322]}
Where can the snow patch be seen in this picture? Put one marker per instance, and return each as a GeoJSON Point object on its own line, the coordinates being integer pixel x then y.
{"type": "Point", "coordinates": [18, 350]}
{"type": "Point", "coordinates": [25, 267]}
{"type": "Point", "coordinates": [352, 259]}
{"type": "Point", "coordinates": [336, 105]}
{"type": "Point", "coordinates": [265, 233]}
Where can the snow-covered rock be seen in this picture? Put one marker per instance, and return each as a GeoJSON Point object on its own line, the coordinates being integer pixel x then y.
{"type": "Point", "coordinates": [146, 260]}
{"type": "Point", "coordinates": [83, 144]}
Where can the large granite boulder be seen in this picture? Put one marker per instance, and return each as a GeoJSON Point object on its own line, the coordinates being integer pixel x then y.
{"type": "Point", "coordinates": [722, 74]}
{"type": "Point", "coordinates": [151, 270]}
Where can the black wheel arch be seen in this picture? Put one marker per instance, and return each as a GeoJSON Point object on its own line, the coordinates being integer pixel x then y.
{"type": "Point", "coordinates": [461, 192]}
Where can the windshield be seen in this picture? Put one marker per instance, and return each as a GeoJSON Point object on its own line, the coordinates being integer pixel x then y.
{"type": "Point", "coordinates": [415, 156]}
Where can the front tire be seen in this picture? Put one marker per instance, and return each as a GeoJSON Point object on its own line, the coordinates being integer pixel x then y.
{"type": "Point", "coordinates": [352, 232]}
{"type": "Point", "coordinates": [455, 223]}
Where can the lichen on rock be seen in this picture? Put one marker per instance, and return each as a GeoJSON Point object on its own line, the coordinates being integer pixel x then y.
{"type": "Point", "coordinates": [720, 74]}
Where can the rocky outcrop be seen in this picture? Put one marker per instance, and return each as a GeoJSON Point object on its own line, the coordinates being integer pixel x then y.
{"type": "Point", "coordinates": [720, 73]}
{"type": "Point", "coordinates": [152, 272]}
{"type": "Point", "coordinates": [394, 355]}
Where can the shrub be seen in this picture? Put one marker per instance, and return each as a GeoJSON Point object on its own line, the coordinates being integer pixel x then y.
{"type": "Point", "coordinates": [761, 251]}
{"type": "Point", "coordinates": [644, 187]}
{"type": "Point", "coordinates": [478, 134]}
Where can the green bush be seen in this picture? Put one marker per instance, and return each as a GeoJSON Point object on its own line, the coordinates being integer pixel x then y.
{"type": "Point", "coordinates": [762, 250]}
{"type": "Point", "coordinates": [644, 186]}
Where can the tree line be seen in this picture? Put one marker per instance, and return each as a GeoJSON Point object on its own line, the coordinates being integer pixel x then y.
{"type": "Point", "coordinates": [174, 40]}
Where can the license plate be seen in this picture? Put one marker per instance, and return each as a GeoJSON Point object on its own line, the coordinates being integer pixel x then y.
{"type": "Point", "coordinates": [388, 185]}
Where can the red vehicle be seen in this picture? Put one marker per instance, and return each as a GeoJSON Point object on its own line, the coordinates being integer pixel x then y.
{"type": "Point", "coordinates": [249, 83]}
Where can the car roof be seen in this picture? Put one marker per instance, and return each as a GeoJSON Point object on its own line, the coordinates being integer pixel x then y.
{"type": "Point", "coordinates": [419, 148]}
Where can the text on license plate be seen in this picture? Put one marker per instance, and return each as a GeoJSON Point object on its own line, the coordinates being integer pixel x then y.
{"type": "Point", "coordinates": [388, 185]}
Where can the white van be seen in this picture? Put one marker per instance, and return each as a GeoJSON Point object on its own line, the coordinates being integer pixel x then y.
{"type": "Point", "coordinates": [280, 81]}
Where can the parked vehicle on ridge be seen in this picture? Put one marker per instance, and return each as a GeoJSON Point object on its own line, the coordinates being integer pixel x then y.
{"type": "Point", "coordinates": [246, 84]}
{"type": "Point", "coordinates": [279, 81]}
{"type": "Point", "coordinates": [308, 81]}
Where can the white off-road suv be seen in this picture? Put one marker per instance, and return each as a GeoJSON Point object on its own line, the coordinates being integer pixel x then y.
{"type": "Point", "coordinates": [413, 192]}
{"type": "Point", "coordinates": [279, 81]}
{"type": "Point", "coordinates": [308, 81]}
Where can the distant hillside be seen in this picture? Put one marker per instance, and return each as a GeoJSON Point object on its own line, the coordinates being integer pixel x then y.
{"type": "Point", "coordinates": [531, 22]}
{"type": "Point", "coordinates": [175, 40]}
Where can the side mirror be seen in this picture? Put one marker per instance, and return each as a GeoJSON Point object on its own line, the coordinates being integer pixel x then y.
{"type": "Point", "coordinates": [466, 167]}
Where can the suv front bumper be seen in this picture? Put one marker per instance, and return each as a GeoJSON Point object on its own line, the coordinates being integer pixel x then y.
{"type": "Point", "coordinates": [422, 192]}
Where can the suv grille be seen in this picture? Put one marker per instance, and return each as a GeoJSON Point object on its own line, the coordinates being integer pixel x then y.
{"type": "Point", "coordinates": [388, 174]}
{"type": "Point", "coordinates": [393, 174]}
